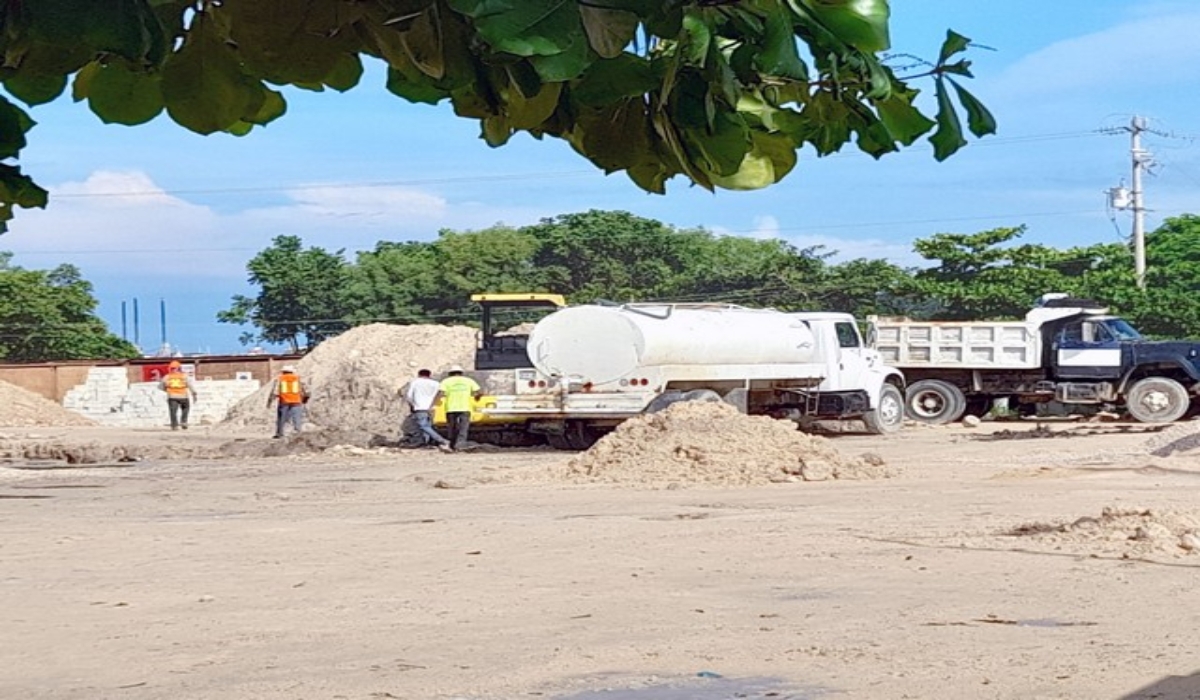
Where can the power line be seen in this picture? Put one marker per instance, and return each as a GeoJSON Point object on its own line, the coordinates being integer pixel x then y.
{"type": "Point", "coordinates": [252, 189]}
{"type": "Point", "coordinates": [814, 229]}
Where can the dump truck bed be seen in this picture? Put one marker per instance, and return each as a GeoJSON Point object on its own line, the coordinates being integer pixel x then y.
{"type": "Point", "coordinates": [905, 343]}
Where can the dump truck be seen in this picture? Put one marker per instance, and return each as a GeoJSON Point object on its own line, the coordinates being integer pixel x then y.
{"type": "Point", "coordinates": [594, 366]}
{"type": "Point", "coordinates": [1066, 350]}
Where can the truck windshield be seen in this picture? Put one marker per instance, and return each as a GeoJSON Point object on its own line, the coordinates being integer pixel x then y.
{"type": "Point", "coordinates": [1121, 330]}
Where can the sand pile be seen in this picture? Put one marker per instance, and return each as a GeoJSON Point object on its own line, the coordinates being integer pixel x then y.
{"type": "Point", "coordinates": [1181, 437]}
{"type": "Point", "coordinates": [1134, 533]}
{"type": "Point", "coordinates": [354, 379]}
{"type": "Point", "coordinates": [20, 408]}
{"type": "Point", "coordinates": [701, 443]}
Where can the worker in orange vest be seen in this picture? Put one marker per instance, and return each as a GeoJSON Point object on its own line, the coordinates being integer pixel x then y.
{"type": "Point", "coordinates": [290, 393]}
{"type": "Point", "coordinates": [181, 391]}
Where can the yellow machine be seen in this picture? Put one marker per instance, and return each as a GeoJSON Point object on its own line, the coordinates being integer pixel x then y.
{"type": "Point", "coordinates": [501, 350]}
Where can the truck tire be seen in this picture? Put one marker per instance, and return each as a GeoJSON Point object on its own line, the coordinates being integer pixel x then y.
{"type": "Point", "coordinates": [660, 402]}
{"type": "Point", "coordinates": [1157, 400]}
{"type": "Point", "coordinates": [934, 402]}
{"type": "Point", "coordinates": [888, 416]}
{"type": "Point", "coordinates": [702, 395]}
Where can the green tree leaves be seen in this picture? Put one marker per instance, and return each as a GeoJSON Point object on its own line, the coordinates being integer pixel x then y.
{"type": "Point", "coordinates": [16, 188]}
{"type": "Point", "coordinates": [716, 92]}
{"type": "Point", "coordinates": [949, 138]}
{"type": "Point", "coordinates": [300, 300]}
{"type": "Point", "coordinates": [49, 315]}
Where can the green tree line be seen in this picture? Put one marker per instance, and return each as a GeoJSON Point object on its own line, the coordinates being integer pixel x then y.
{"type": "Point", "coordinates": [308, 294]}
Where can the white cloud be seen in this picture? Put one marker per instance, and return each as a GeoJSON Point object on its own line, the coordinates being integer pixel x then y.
{"type": "Point", "coordinates": [123, 223]}
{"type": "Point", "coordinates": [767, 226]}
{"type": "Point", "coordinates": [367, 202]}
{"type": "Point", "coordinates": [1146, 51]}
{"type": "Point", "coordinates": [844, 249]}
{"type": "Point", "coordinates": [110, 220]}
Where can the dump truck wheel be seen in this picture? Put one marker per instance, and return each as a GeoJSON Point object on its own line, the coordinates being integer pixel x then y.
{"type": "Point", "coordinates": [934, 402]}
{"type": "Point", "coordinates": [1157, 400]}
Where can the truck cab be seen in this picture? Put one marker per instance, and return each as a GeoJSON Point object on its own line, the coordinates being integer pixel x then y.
{"type": "Point", "coordinates": [500, 347]}
{"type": "Point", "coordinates": [1099, 358]}
{"type": "Point", "coordinates": [1091, 347]}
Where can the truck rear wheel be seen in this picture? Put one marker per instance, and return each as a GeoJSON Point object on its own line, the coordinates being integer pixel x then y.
{"type": "Point", "coordinates": [702, 395]}
{"type": "Point", "coordinates": [934, 402]}
{"type": "Point", "coordinates": [1157, 400]}
{"type": "Point", "coordinates": [888, 415]}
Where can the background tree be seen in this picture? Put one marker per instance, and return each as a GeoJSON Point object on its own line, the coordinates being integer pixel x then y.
{"type": "Point", "coordinates": [611, 255]}
{"type": "Point", "coordinates": [49, 315]}
{"type": "Point", "coordinates": [396, 283]}
{"type": "Point", "coordinates": [618, 256]}
{"type": "Point", "coordinates": [1169, 306]}
{"type": "Point", "coordinates": [747, 271]}
{"type": "Point", "coordinates": [980, 276]}
{"type": "Point", "coordinates": [301, 297]}
{"type": "Point", "coordinates": [722, 93]}
{"type": "Point", "coordinates": [432, 282]}
{"type": "Point", "coordinates": [864, 287]}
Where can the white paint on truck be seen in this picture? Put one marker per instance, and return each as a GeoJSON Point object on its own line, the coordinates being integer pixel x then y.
{"type": "Point", "coordinates": [601, 344]}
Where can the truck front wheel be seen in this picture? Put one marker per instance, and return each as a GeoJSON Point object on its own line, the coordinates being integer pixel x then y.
{"type": "Point", "coordinates": [934, 402]}
{"type": "Point", "coordinates": [888, 414]}
{"type": "Point", "coordinates": [1157, 400]}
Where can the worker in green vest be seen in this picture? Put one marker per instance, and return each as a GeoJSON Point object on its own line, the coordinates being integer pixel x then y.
{"type": "Point", "coordinates": [459, 393]}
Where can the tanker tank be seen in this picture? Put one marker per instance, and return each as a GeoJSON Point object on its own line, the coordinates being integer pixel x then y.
{"type": "Point", "coordinates": [604, 343]}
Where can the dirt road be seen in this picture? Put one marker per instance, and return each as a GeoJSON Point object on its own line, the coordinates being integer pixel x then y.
{"type": "Point", "coordinates": [422, 575]}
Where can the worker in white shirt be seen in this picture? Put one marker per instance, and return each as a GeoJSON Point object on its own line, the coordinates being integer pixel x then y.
{"type": "Point", "coordinates": [422, 394]}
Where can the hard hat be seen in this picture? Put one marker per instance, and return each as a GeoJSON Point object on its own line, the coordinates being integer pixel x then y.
{"type": "Point", "coordinates": [289, 368]}
{"type": "Point", "coordinates": [174, 364]}
{"type": "Point", "coordinates": [455, 368]}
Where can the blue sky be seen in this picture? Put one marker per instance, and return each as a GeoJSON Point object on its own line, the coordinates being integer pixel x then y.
{"type": "Point", "coordinates": [158, 214]}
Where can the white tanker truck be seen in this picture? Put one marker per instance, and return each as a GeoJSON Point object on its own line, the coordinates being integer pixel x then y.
{"type": "Point", "coordinates": [595, 366]}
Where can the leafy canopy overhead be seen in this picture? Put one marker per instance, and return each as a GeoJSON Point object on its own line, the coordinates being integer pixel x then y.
{"type": "Point", "coordinates": [723, 92]}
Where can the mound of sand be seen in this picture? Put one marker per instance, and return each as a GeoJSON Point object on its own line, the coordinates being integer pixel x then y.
{"type": "Point", "coordinates": [354, 379]}
{"type": "Point", "coordinates": [1181, 437]}
{"type": "Point", "coordinates": [701, 443]}
{"type": "Point", "coordinates": [1119, 532]}
{"type": "Point", "coordinates": [20, 408]}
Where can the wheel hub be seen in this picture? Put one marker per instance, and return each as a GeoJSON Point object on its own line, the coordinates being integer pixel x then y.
{"type": "Point", "coordinates": [929, 403]}
{"type": "Point", "coordinates": [890, 410]}
{"type": "Point", "coordinates": [1156, 401]}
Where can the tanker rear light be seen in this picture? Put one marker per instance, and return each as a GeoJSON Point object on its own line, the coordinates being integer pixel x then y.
{"type": "Point", "coordinates": [538, 384]}
{"type": "Point", "coordinates": [635, 382]}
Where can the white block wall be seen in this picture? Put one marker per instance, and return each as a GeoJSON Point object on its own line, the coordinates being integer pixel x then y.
{"type": "Point", "coordinates": [109, 398]}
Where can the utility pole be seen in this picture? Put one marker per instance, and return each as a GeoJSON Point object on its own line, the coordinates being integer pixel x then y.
{"type": "Point", "coordinates": [1141, 161]}
{"type": "Point", "coordinates": [1121, 198]}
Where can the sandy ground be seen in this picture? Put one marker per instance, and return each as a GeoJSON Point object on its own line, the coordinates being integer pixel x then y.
{"type": "Point", "coordinates": [408, 575]}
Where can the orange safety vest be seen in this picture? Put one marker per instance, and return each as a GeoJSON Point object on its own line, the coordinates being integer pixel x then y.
{"type": "Point", "coordinates": [176, 383]}
{"type": "Point", "coordinates": [289, 389]}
